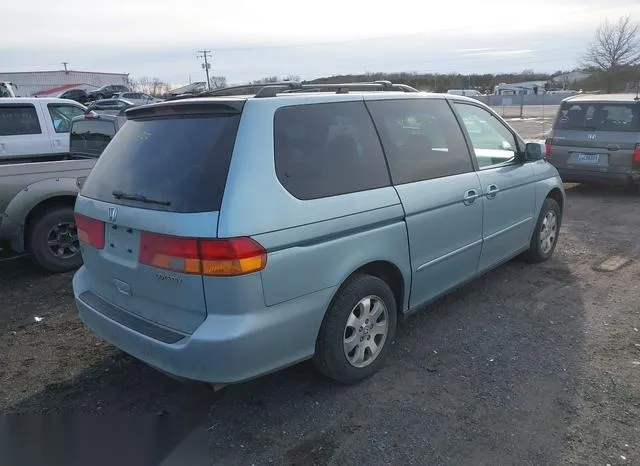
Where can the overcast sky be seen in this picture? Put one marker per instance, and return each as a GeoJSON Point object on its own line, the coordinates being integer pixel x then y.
{"type": "Point", "coordinates": [250, 39]}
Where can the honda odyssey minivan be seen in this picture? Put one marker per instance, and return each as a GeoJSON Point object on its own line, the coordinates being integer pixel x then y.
{"type": "Point", "coordinates": [227, 237]}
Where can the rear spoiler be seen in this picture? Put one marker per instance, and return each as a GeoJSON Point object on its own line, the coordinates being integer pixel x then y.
{"type": "Point", "coordinates": [185, 108]}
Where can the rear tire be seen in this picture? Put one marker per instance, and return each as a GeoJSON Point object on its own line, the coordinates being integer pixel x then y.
{"type": "Point", "coordinates": [545, 235]}
{"type": "Point", "coordinates": [53, 240]}
{"type": "Point", "coordinates": [357, 331]}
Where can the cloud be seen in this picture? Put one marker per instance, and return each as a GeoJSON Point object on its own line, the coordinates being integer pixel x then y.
{"type": "Point", "coordinates": [250, 40]}
{"type": "Point", "coordinates": [498, 53]}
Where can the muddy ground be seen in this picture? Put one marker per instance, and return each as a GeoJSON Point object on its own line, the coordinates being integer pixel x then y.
{"type": "Point", "coordinates": [526, 365]}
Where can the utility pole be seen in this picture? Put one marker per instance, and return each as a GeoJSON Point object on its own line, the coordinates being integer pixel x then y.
{"type": "Point", "coordinates": [65, 63]}
{"type": "Point", "coordinates": [206, 65]}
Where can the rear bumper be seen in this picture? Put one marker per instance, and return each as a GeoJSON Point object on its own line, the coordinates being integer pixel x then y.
{"type": "Point", "coordinates": [224, 348]}
{"type": "Point", "coordinates": [586, 176]}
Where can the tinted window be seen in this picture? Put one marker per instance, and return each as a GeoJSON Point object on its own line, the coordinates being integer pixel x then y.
{"type": "Point", "coordinates": [61, 116]}
{"type": "Point", "coordinates": [328, 149]}
{"type": "Point", "coordinates": [91, 136]}
{"type": "Point", "coordinates": [421, 138]}
{"type": "Point", "coordinates": [599, 117]}
{"type": "Point", "coordinates": [182, 161]}
{"type": "Point", "coordinates": [18, 119]}
{"type": "Point", "coordinates": [492, 141]}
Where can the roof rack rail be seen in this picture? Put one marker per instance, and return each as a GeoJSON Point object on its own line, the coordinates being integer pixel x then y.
{"type": "Point", "coordinates": [262, 90]}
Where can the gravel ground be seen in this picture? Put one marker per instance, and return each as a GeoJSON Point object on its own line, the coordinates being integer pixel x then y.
{"type": "Point", "coordinates": [526, 365]}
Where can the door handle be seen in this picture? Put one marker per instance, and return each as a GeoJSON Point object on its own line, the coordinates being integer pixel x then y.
{"type": "Point", "coordinates": [492, 190]}
{"type": "Point", "coordinates": [613, 147]}
{"type": "Point", "coordinates": [470, 197]}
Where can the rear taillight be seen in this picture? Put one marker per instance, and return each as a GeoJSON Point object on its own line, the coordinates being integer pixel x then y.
{"type": "Point", "coordinates": [216, 257]}
{"type": "Point", "coordinates": [90, 231]}
{"type": "Point", "coordinates": [547, 149]}
{"type": "Point", "coordinates": [636, 154]}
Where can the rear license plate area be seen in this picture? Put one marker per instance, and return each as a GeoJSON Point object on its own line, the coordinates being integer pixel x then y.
{"type": "Point", "coordinates": [122, 242]}
{"type": "Point", "coordinates": [582, 157]}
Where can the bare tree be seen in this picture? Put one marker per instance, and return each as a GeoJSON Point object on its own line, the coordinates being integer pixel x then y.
{"type": "Point", "coordinates": [153, 86]}
{"type": "Point", "coordinates": [614, 45]}
{"type": "Point", "coordinates": [218, 82]}
{"type": "Point", "coordinates": [267, 80]}
{"type": "Point", "coordinates": [292, 77]}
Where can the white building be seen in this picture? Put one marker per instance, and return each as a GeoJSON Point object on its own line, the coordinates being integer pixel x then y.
{"type": "Point", "coordinates": [30, 83]}
{"type": "Point", "coordinates": [568, 79]}
{"type": "Point", "coordinates": [527, 87]}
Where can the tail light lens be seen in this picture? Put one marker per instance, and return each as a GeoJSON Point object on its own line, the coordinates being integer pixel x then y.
{"type": "Point", "coordinates": [90, 231]}
{"type": "Point", "coordinates": [636, 154]}
{"type": "Point", "coordinates": [213, 257]}
{"type": "Point", "coordinates": [547, 148]}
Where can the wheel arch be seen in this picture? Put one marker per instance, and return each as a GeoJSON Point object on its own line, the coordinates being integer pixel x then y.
{"type": "Point", "coordinates": [40, 208]}
{"type": "Point", "coordinates": [386, 271]}
{"type": "Point", "coordinates": [556, 195]}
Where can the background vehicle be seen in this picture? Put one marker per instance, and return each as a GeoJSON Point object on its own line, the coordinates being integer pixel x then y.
{"type": "Point", "coordinates": [110, 106]}
{"type": "Point", "coordinates": [37, 197]}
{"type": "Point", "coordinates": [322, 217]}
{"type": "Point", "coordinates": [8, 89]}
{"type": "Point", "coordinates": [106, 92]}
{"type": "Point", "coordinates": [33, 127]}
{"type": "Point", "coordinates": [467, 92]}
{"type": "Point", "coordinates": [79, 95]}
{"type": "Point", "coordinates": [137, 98]}
{"type": "Point", "coordinates": [596, 139]}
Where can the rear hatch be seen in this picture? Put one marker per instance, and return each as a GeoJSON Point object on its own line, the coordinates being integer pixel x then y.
{"type": "Point", "coordinates": [90, 134]}
{"type": "Point", "coordinates": [595, 136]}
{"type": "Point", "coordinates": [148, 212]}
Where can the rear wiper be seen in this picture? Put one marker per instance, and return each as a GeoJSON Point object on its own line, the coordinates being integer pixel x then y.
{"type": "Point", "coordinates": [138, 197]}
{"type": "Point", "coordinates": [590, 128]}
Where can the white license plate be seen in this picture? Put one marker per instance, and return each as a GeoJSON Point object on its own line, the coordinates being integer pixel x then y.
{"type": "Point", "coordinates": [588, 158]}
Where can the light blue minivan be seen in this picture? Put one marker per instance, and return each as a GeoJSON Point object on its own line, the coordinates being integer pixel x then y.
{"type": "Point", "coordinates": [227, 237]}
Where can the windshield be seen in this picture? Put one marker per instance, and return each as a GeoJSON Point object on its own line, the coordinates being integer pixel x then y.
{"type": "Point", "coordinates": [599, 116]}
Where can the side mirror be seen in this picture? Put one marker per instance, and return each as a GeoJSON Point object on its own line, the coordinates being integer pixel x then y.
{"type": "Point", "coordinates": [533, 151]}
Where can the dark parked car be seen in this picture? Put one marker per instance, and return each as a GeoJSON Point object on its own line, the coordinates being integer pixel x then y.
{"type": "Point", "coordinates": [106, 92]}
{"type": "Point", "coordinates": [79, 95]}
{"type": "Point", "coordinates": [110, 106]}
{"type": "Point", "coordinates": [92, 132]}
{"type": "Point", "coordinates": [596, 139]}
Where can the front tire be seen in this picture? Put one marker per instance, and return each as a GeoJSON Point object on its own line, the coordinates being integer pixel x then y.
{"type": "Point", "coordinates": [545, 236]}
{"type": "Point", "coordinates": [53, 240]}
{"type": "Point", "coordinates": [358, 330]}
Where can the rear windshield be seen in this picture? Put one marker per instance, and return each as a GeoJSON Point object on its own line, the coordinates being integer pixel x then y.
{"type": "Point", "coordinates": [91, 136]}
{"type": "Point", "coordinates": [593, 116]}
{"type": "Point", "coordinates": [177, 164]}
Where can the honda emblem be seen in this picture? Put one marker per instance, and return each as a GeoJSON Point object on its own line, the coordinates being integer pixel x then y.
{"type": "Point", "coordinates": [113, 214]}
{"type": "Point", "coordinates": [591, 136]}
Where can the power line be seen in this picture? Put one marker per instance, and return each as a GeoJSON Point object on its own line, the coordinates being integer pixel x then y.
{"type": "Point", "coordinates": [206, 65]}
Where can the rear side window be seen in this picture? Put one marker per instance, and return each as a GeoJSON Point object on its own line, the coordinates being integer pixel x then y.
{"type": "Point", "coordinates": [422, 139]}
{"type": "Point", "coordinates": [599, 116]}
{"type": "Point", "coordinates": [91, 136]}
{"type": "Point", "coordinates": [324, 150]}
{"type": "Point", "coordinates": [18, 119]}
{"type": "Point", "coordinates": [177, 164]}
